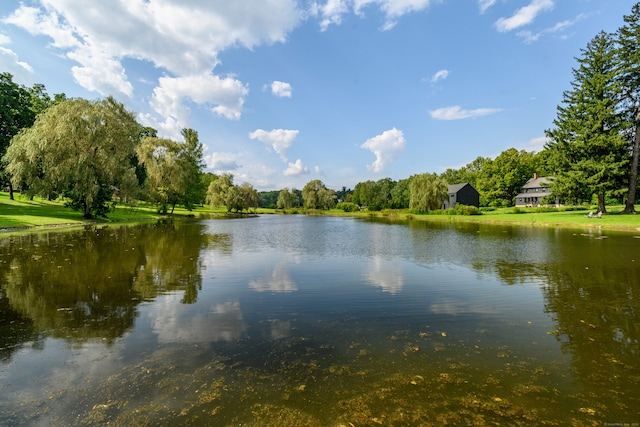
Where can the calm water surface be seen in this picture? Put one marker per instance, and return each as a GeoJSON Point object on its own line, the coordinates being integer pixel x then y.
{"type": "Point", "coordinates": [319, 321]}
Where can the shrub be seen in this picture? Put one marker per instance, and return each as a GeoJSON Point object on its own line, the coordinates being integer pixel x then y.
{"type": "Point", "coordinates": [348, 207]}
{"type": "Point", "coordinates": [542, 209]}
{"type": "Point", "coordinates": [573, 208]}
{"type": "Point", "coordinates": [461, 209]}
{"type": "Point", "coordinates": [488, 209]}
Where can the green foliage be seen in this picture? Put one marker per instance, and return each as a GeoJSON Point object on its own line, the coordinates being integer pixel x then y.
{"type": "Point", "coordinates": [173, 171]}
{"type": "Point", "coordinates": [427, 192]}
{"type": "Point", "coordinates": [18, 110]}
{"type": "Point", "coordinates": [222, 192]}
{"type": "Point", "coordinates": [317, 196]}
{"type": "Point", "coordinates": [268, 199]}
{"type": "Point", "coordinates": [348, 207]}
{"type": "Point", "coordinates": [470, 173]}
{"type": "Point", "coordinates": [587, 140]}
{"type": "Point", "coordinates": [286, 199]}
{"type": "Point", "coordinates": [79, 149]}
{"type": "Point", "coordinates": [502, 178]}
{"type": "Point", "coordinates": [628, 78]}
{"type": "Point", "coordinates": [461, 209]}
{"type": "Point", "coordinates": [380, 195]}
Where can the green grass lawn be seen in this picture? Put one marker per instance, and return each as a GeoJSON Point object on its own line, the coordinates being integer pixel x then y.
{"type": "Point", "coordinates": [535, 217]}
{"type": "Point", "coordinates": [23, 213]}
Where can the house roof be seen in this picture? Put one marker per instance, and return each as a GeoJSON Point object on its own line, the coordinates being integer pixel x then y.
{"type": "Point", "coordinates": [534, 194]}
{"type": "Point", "coordinates": [543, 181]}
{"type": "Point", "coordinates": [457, 187]}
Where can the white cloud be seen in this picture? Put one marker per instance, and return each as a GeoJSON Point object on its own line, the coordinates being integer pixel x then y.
{"type": "Point", "coordinates": [485, 4]}
{"type": "Point", "coordinates": [524, 16]}
{"type": "Point", "coordinates": [457, 113]}
{"type": "Point", "coordinates": [281, 89]}
{"type": "Point", "coordinates": [99, 72]}
{"type": "Point", "coordinates": [296, 169]}
{"type": "Point", "coordinates": [181, 40]}
{"type": "Point", "coordinates": [440, 75]}
{"type": "Point", "coordinates": [277, 139]}
{"type": "Point", "coordinates": [333, 10]}
{"type": "Point", "coordinates": [223, 95]}
{"type": "Point", "coordinates": [223, 162]}
{"type": "Point", "coordinates": [536, 144]}
{"type": "Point", "coordinates": [387, 147]}
{"type": "Point", "coordinates": [9, 62]}
{"type": "Point", "coordinates": [560, 27]}
{"type": "Point", "coordinates": [44, 23]}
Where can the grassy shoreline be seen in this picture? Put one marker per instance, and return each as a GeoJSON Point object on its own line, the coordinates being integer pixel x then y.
{"type": "Point", "coordinates": [23, 215]}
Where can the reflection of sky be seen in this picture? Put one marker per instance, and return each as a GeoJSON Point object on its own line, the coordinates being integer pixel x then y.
{"type": "Point", "coordinates": [386, 274]}
{"type": "Point", "coordinates": [42, 374]}
{"type": "Point", "coordinates": [352, 275]}
{"type": "Point", "coordinates": [174, 322]}
{"type": "Point", "coordinates": [278, 281]}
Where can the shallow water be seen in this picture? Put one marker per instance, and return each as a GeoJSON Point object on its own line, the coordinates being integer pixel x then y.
{"type": "Point", "coordinates": [319, 321]}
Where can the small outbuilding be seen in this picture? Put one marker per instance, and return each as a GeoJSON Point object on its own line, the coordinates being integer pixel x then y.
{"type": "Point", "coordinates": [464, 194]}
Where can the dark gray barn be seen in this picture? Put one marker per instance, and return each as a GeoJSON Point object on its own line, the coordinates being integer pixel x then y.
{"type": "Point", "coordinates": [464, 194]}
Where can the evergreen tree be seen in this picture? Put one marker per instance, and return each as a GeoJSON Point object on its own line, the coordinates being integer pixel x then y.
{"type": "Point", "coordinates": [587, 140]}
{"type": "Point", "coordinates": [629, 79]}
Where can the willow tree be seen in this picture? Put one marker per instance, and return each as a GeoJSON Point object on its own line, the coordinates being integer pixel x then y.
{"type": "Point", "coordinates": [428, 191]}
{"type": "Point", "coordinates": [587, 139]}
{"type": "Point", "coordinates": [173, 170]}
{"type": "Point", "coordinates": [317, 196]}
{"type": "Point", "coordinates": [286, 199]}
{"type": "Point", "coordinates": [79, 149]}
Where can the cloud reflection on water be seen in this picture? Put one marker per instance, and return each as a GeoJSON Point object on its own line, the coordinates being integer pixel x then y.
{"type": "Point", "coordinates": [176, 323]}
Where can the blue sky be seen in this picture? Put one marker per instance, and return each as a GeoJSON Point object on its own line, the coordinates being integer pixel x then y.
{"type": "Point", "coordinates": [285, 91]}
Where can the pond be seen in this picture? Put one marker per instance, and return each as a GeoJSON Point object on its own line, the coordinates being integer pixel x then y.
{"type": "Point", "coordinates": [286, 320]}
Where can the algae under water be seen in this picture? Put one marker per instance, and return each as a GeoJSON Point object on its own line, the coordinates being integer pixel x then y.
{"type": "Point", "coordinates": [315, 321]}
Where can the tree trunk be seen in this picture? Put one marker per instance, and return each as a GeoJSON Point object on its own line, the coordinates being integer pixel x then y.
{"type": "Point", "coordinates": [601, 207]}
{"type": "Point", "coordinates": [633, 176]}
{"type": "Point", "coordinates": [11, 191]}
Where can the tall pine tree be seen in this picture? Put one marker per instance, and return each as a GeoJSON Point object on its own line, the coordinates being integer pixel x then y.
{"type": "Point", "coordinates": [587, 140]}
{"type": "Point", "coordinates": [629, 79]}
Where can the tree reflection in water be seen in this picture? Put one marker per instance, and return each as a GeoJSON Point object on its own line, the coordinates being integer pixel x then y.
{"type": "Point", "coordinates": [88, 283]}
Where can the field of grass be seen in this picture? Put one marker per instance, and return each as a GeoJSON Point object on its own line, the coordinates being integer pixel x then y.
{"type": "Point", "coordinates": [27, 214]}
{"type": "Point", "coordinates": [23, 213]}
{"type": "Point", "coordinates": [613, 220]}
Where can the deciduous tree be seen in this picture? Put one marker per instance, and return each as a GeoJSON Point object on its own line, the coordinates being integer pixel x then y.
{"type": "Point", "coordinates": [173, 170]}
{"type": "Point", "coordinates": [317, 196]}
{"type": "Point", "coordinates": [501, 178]}
{"type": "Point", "coordinates": [428, 191]}
{"type": "Point", "coordinates": [286, 199]}
{"type": "Point", "coordinates": [79, 149]}
{"type": "Point", "coordinates": [16, 113]}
